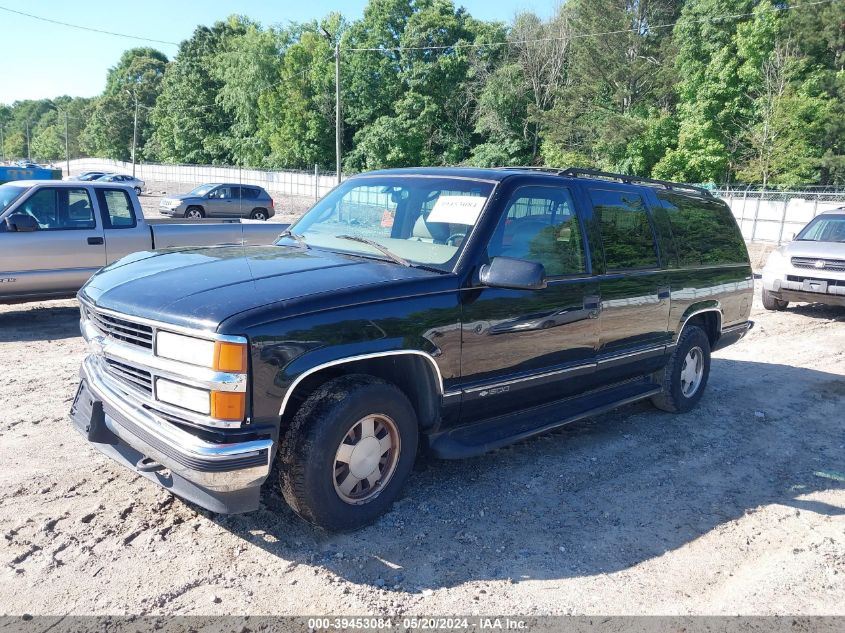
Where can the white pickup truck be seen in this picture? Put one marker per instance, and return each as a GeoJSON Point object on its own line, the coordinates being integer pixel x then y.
{"type": "Point", "coordinates": [54, 235]}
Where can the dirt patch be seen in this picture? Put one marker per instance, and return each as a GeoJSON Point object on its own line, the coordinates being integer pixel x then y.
{"type": "Point", "coordinates": [728, 509]}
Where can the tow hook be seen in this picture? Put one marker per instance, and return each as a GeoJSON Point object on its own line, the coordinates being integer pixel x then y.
{"type": "Point", "coordinates": [148, 465]}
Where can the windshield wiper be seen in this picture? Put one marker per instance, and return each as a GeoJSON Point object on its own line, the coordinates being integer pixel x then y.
{"type": "Point", "coordinates": [294, 236]}
{"type": "Point", "coordinates": [386, 251]}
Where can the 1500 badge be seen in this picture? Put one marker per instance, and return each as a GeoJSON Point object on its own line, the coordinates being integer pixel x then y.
{"type": "Point", "coordinates": [7, 280]}
{"type": "Point", "coordinates": [494, 391]}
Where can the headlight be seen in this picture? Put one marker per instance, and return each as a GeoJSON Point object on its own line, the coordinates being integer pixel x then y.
{"type": "Point", "coordinates": [183, 396]}
{"type": "Point", "coordinates": [775, 262]}
{"type": "Point", "coordinates": [218, 355]}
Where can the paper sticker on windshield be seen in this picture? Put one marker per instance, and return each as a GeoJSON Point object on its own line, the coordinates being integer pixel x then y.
{"type": "Point", "coordinates": [457, 209]}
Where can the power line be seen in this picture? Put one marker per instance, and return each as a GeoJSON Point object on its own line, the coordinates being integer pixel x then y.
{"type": "Point", "coordinates": [86, 28]}
{"type": "Point", "coordinates": [718, 18]}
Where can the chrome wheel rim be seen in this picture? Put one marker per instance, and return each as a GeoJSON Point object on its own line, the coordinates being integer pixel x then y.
{"type": "Point", "coordinates": [692, 371]}
{"type": "Point", "coordinates": [366, 459]}
{"type": "Point", "coordinates": [258, 216]}
{"type": "Point", "coordinates": [194, 214]}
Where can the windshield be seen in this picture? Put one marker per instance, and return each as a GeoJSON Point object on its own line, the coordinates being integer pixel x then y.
{"type": "Point", "coordinates": [201, 190]}
{"type": "Point", "coordinates": [422, 220]}
{"type": "Point", "coordinates": [8, 194]}
{"type": "Point", "coordinates": [824, 228]}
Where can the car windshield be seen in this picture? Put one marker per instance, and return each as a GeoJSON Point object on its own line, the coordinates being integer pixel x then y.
{"type": "Point", "coordinates": [407, 219]}
{"type": "Point", "coordinates": [201, 190]}
{"type": "Point", "coordinates": [824, 228]}
{"type": "Point", "coordinates": [8, 194]}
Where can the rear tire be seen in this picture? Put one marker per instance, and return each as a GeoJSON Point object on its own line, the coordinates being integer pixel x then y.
{"type": "Point", "coordinates": [138, 190]}
{"type": "Point", "coordinates": [258, 214]}
{"type": "Point", "coordinates": [770, 302]}
{"type": "Point", "coordinates": [685, 375]}
{"type": "Point", "coordinates": [349, 425]}
{"type": "Point", "coordinates": [194, 213]}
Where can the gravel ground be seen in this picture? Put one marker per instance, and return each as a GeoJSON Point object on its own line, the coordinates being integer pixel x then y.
{"type": "Point", "coordinates": [735, 508]}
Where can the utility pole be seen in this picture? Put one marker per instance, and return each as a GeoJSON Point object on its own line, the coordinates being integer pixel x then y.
{"type": "Point", "coordinates": [67, 146]}
{"type": "Point", "coordinates": [28, 153]}
{"type": "Point", "coordinates": [337, 114]}
{"type": "Point", "coordinates": [2, 144]}
{"type": "Point", "coordinates": [337, 108]}
{"type": "Point", "coordinates": [135, 133]}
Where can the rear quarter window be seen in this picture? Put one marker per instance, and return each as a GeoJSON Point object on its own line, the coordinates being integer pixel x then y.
{"type": "Point", "coordinates": [704, 231]}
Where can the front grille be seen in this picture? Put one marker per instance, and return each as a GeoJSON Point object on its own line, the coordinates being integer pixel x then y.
{"type": "Point", "coordinates": [837, 265]}
{"type": "Point", "coordinates": [121, 329]}
{"type": "Point", "coordinates": [830, 282]}
{"type": "Point", "coordinates": [131, 376]}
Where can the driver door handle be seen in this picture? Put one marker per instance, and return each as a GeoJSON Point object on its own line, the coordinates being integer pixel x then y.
{"type": "Point", "coordinates": [93, 241]}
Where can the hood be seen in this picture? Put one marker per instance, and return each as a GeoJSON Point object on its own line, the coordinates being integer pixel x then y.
{"type": "Point", "coordinates": [202, 287]}
{"type": "Point", "coordinates": [820, 250]}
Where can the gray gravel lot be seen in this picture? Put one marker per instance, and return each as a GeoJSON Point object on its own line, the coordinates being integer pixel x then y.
{"type": "Point", "coordinates": [734, 508]}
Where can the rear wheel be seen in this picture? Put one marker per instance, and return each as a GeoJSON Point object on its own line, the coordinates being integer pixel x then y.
{"type": "Point", "coordinates": [138, 190]}
{"type": "Point", "coordinates": [348, 453]}
{"type": "Point", "coordinates": [771, 302]}
{"type": "Point", "coordinates": [194, 213]}
{"type": "Point", "coordinates": [685, 375]}
{"type": "Point", "coordinates": [258, 214]}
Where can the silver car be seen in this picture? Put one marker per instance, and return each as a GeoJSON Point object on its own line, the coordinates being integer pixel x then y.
{"type": "Point", "coordinates": [130, 181]}
{"type": "Point", "coordinates": [220, 200]}
{"type": "Point", "coordinates": [810, 268]}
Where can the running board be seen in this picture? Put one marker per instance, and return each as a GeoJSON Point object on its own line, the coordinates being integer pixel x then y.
{"type": "Point", "coordinates": [488, 435]}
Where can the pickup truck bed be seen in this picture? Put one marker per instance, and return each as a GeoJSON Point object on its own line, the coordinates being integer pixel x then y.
{"type": "Point", "coordinates": [55, 235]}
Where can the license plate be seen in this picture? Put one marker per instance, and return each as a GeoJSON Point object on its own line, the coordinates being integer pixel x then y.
{"type": "Point", "coordinates": [814, 285]}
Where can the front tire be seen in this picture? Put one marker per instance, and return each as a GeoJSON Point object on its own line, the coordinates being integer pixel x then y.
{"type": "Point", "coordinates": [685, 375]}
{"type": "Point", "coordinates": [771, 302]}
{"type": "Point", "coordinates": [194, 213]}
{"type": "Point", "coordinates": [349, 451]}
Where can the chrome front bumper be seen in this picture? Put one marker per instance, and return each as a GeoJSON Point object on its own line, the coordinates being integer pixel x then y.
{"type": "Point", "coordinates": [208, 473]}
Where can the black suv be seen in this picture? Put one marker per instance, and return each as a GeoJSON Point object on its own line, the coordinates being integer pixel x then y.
{"type": "Point", "coordinates": [447, 310]}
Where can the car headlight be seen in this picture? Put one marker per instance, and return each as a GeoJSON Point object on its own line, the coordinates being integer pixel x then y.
{"type": "Point", "coordinates": [224, 356]}
{"type": "Point", "coordinates": [776, 262]}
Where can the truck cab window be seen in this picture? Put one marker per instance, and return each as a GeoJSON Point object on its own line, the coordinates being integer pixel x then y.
{"type": "Point", "coordinates": [60, 209]}
{"type": "Point", "coordinates": [117, 207]}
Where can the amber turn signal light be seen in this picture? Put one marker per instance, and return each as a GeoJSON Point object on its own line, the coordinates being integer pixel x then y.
{"type": "Point", "coordinates": [228, 405]}
{"type": "Point", "coordinates": [230, 357]}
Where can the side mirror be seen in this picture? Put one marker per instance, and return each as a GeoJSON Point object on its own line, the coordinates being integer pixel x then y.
{"type": "Point", "coordinates": [507, 272]}
{"type": "Point", "coordinates": [21, 223]}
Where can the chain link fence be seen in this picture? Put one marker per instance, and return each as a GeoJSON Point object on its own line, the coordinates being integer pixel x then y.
{"type": "Point", "coordinates": [775, 216]}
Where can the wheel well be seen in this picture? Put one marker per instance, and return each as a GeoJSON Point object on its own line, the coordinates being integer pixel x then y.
{"type": "Point", "coordinates": [709, 321]}
{"type": "Point", "coordinates": [411, 373]}
{"type": "Point", "coordinates": [195, 206]}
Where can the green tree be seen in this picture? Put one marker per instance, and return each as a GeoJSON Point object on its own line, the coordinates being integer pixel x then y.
{"type": "Point", "coordinates": [135, 80]}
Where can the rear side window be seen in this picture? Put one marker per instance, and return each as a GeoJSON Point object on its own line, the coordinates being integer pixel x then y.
{"type": "Point", "coordinates": [117, 208]}
{"type": "Point", "coordinates": [626, 232]}
{"type": "Point", "coordinates": [704, 231]}
{"type": "Point", "coordinates": [60, 209]}
{"type": "Point", "coordinates": [249, 193]}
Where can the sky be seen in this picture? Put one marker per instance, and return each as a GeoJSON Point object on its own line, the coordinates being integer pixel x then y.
{"type": "Point", "coordinates": [40, 60]}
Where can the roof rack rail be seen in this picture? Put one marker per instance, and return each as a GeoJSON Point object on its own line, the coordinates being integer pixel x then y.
{"type": "Point", "coordinates": [551, 170]}
{"type": "Point", "coordinates": [594, 173]}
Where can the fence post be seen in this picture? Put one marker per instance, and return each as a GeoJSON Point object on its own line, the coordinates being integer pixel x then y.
{"type": "Point", "coordinates": [316, 182]}
{"type": "Point", "coordinates": [816, 206]}
{"type": "Point", "coordinates": [756, 213]}
{"type": "Point", "coordinates": [783, 220]}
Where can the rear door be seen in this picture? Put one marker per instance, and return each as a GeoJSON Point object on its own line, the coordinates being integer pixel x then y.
{"type": "Point", "coordinates": [634, 286]}
{"type": "Point", "coordinates": [532, 346]}
{"type": "Point", "coordinates": [63, 253]}
{"type": "Point", "coordinates": [122, 231]}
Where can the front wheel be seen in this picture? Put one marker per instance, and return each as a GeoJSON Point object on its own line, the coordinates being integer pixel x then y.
{"type": "Point", "coordinates": [348, 453]}
{"type": "Point", "coordinates": [771, 302]}
{"type": "Point", "coordinates": [685, 375]}
{"type": "Point", "coordinates": [194, 213]}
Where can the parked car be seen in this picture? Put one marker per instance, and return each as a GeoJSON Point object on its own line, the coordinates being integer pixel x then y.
{"type": "Point", "coordinates": [809, 268]}
{"type": "Point", "coordinates": [28, 164]}
{"type": "Point", "coordinates": [136, 183]}
{"type": "Point", "coordinates": [220, 200]}
{"type": "Point", "coordinates": [85, 176]}
{"type": "Point", "coordinates": [54, 235]}
{"type": "Point", "coordinates": [364, 333]}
